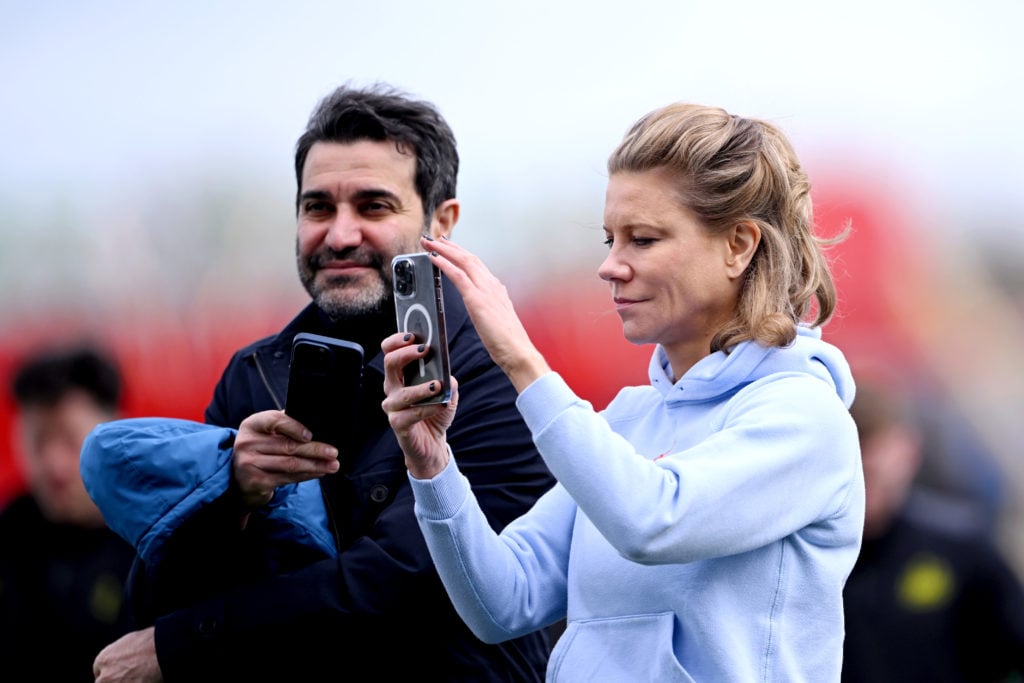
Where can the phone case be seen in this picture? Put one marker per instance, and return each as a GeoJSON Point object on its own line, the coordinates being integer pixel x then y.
{"type": "Point", "coordinates": [325, 379]}
{"type": "Point", "coordinates": [419, 309]}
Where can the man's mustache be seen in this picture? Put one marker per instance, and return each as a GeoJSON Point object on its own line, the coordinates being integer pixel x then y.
{"type": "Point", "coordinates": [360, 257]}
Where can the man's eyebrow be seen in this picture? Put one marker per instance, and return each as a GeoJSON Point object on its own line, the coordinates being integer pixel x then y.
{"type": "Point", "coordinates": [361, 195]}
{"type": "Point", "coordinates": [314, 194]}
{"type": "Point", "coordinates": [377, 193]}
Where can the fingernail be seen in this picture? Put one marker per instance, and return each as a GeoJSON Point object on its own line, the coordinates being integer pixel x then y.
{"type": "Point", "coordinates": [428, 238]}
{"type": "Point", "coordinates": [444, 237]}
{"type": "Point", "coordinates": [407, 337]}
{"type": "Point", "coordinates": [431, 387]}
{"type": "Point", "coordinates": [433, 253]}
{"type": "Point", "coordinates": [421, 348]}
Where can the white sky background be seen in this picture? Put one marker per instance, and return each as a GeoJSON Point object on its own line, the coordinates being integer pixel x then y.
{"type": "Point", "coordinates": [105, 103]}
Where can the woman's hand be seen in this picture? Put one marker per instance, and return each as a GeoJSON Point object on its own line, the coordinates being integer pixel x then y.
{"type": "Point", "coordinates": [491, 310]}
{"type": "Point", "coordinates": [420, 428]}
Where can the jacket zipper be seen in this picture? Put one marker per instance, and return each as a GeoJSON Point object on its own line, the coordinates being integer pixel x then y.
{"type": "Point", "coordinates": [266, 382]}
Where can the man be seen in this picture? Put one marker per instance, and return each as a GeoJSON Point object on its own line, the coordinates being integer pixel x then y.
{"type": "Point", "coordinates": [62, 571]}
{"type": "Point", "coordinates": [375, 169]}
{"type": "Point", "coordinates": [924, 602]}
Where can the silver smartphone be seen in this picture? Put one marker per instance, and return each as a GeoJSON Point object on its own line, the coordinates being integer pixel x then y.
{"type": "Point", "coordinates": [419, 309]}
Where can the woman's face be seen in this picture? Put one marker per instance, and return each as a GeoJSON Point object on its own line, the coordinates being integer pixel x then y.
{"type": "Point", "coordinates": [673, 282]}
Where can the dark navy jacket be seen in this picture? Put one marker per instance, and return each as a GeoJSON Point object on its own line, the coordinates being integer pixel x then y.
{"type": "Point", "coordinates": [378, 608]}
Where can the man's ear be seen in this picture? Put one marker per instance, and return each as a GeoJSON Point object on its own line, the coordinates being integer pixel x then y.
{"type": "Point", "coordinates": [446, 215]}
{"type": "Point", "coordinates": [742, 241]}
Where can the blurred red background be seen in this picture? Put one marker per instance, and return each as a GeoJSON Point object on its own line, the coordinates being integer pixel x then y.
{"type": "Point", "coordinates": [171, 366]}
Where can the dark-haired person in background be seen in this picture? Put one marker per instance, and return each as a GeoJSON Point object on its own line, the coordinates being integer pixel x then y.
{"type": "Point", "coordinates": [62, 571]}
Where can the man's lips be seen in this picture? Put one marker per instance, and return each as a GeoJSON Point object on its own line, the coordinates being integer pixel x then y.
{"type": "Point", "coordinates": [342, 267]}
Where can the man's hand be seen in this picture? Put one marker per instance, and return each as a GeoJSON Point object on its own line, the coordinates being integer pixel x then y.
{"type": "Point", "coordinates": [271, 450]}
{"type": "Point", "coordinates": [131, 658]}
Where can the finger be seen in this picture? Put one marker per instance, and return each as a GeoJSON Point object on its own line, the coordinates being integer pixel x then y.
{"type": "Point", "coordinates": [399, 357]}
{"type": "Point", "coordinates": [314, 459]}
{"type": "Point", "coordinates": [316, 450]}
{"type": "Point", "coordinates": [466, 271]}
{"type": "Point", "coordinates": [405, 397]}
{"type": "Point", "coordinates": [395, 362]}
{"type": "Point", "coordinates": [458, 277]}
{"type": "Point", "coordinates": [289, 427]}
{"type": "Point", "coordinates": [454, 400]}
{"type": "Point", "coordinates": [457, 255]}
{"type": "Point", "coordinates": [403, 419]}
{"type": "Point", "coordinates": [275, 422]}
{"type": "Point", "coordinates": [397, 341]}
{"type": "Point", "coordinates": [249, 443]}
{"type": "Point", "coordinates": [283, 447]}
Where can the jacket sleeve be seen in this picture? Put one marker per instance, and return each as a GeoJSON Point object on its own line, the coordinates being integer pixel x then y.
{"type": "Point", "coordinates": [148, 476]}
{"type": "Point", "coordinates": [386, 573]}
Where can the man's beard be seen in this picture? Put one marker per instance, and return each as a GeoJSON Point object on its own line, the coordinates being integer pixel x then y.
{"type": "Point", "coordinates": [343, 296]}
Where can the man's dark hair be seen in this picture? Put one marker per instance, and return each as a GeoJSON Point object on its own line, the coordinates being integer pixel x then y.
{"type": "Point", "coordinates": [381, 112]}
{"type": "Point", "coordinates": [45, 379]}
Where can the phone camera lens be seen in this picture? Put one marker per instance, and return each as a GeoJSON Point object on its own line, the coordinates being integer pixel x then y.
{"type": "Point", "coordinates": [404, 278]}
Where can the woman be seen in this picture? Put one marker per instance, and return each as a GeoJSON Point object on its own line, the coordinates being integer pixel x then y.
{"type": "Point", "coordinates": [702, 527]}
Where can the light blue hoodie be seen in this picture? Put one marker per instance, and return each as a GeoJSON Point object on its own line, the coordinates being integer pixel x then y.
{"type": "Point", "coordinates": [701, 530]}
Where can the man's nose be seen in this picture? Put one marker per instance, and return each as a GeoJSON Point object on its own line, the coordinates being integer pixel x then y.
{"type": "Point", "coordinates": [346, 230]}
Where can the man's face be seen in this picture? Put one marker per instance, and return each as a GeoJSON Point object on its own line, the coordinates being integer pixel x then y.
{"type": "Point", "coordinates": [358, 208]}
{"type": "Point", "coordinates": [52, 439]}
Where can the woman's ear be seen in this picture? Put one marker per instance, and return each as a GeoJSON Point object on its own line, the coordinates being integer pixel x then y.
{"type": "Point", "coordinates": [446, 215]}
{"type": "Point", "coordinates": [742, 242]}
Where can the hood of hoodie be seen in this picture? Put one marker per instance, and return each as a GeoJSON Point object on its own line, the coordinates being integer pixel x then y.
{"type": "Point", "coordinates": [719, 373]}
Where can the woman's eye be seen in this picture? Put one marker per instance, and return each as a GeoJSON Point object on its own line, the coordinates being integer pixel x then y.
{"type": "Point", "coordinates": [643, 241]}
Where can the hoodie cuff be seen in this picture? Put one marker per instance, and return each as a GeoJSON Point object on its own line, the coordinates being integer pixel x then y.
{"type": "Point", "coordinates": [442, 496]}
{"type": "Point", "coordinates": [545, 399]}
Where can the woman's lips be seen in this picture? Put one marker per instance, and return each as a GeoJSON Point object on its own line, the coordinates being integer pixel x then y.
{"type": "Point", "coordinates": [622, 303]}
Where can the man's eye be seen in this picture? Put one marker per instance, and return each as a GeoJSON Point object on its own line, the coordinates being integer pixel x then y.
{"type": "Point", "coordinates": [376, 207]}
{"type": "Point", "coordinates": [316, 207]}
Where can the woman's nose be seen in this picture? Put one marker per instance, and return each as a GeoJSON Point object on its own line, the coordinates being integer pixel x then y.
{"type": "Point", "coordinates": [613, 268]}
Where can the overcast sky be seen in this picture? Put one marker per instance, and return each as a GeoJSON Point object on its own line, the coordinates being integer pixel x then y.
{"type": "Point", "coordinates": [102, 98]}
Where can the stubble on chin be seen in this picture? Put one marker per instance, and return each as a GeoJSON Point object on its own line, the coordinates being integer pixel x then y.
{"type": "Point", "coordinates": [346, 297]}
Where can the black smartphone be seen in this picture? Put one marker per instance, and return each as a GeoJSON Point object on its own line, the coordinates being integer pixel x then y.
{"type": "Point", "coordinates": [419, 308]}
{"type": "Point", "coordinates": [325, 381]}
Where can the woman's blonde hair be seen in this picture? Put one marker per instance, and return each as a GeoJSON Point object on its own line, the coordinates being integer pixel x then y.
{"type": "Point", "coordinates": [732, 170]}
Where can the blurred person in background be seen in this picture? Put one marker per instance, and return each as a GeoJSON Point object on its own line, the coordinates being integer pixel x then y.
{"type": "Point", "coordinates": [926, 601]}
{"type": "Point", "coordinates": [959, 483]}
{"type": "Point", "coordinates": [375, 170]}
{"type": "Point", "coordinates": [702, 525]}
{"type": "Point", "coordinates": [62, 571]}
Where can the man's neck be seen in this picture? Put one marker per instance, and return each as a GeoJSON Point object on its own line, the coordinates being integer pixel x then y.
{"type": "Point", "coordinates": [367, 330]}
